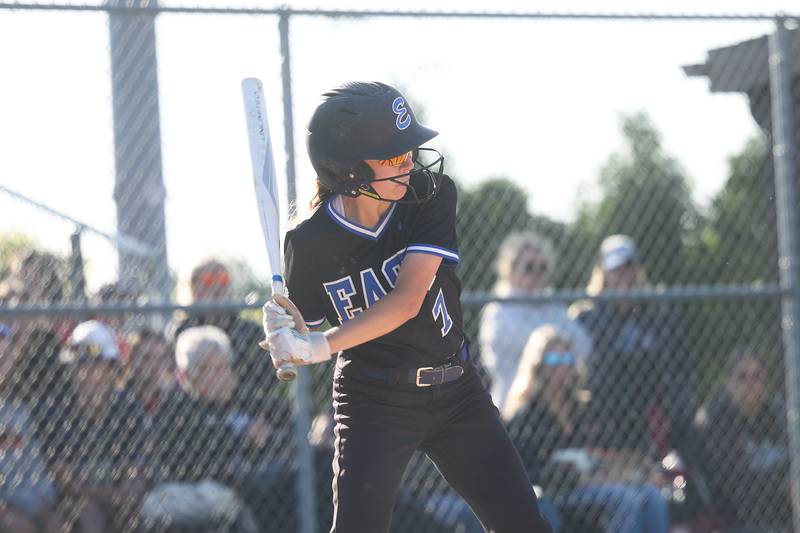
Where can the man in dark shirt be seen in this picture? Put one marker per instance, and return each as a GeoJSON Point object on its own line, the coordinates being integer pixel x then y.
{"type": "Point", "coordinates": [96, 442]}
{"type": "Point", "coordinates": [259, 390]}
{"type": "Point", "coordinates": [637, 370]}
{"type": "Point", "coordinates": [746, 448]}
{"type": "Point", "coordinates": [204, 437]}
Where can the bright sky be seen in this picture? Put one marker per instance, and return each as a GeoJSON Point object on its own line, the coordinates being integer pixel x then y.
{"type": "Point", "coordinates": [538, 101]}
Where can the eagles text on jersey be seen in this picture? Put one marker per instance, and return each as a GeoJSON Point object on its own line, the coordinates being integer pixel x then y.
{"type": "Point", "coordinates": [336, 269]}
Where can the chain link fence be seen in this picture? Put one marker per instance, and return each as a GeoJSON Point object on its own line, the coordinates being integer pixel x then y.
{"type": "Point", "coordinates": [636, 324]}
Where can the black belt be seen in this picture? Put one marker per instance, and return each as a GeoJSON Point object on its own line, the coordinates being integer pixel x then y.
{"type": "Point", "coordinates": [450, 370]}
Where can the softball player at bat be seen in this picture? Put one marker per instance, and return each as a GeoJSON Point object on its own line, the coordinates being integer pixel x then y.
{"type": "Point", "coordinates": [376, 260]}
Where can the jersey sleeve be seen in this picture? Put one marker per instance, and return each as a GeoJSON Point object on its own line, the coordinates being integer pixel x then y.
{"type": "Point", "coordinates": [435, 228]}
{"type": "Point", "coordinates": [300, 283]}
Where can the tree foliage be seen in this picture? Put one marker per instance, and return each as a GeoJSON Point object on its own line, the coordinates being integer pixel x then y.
{"type": "Point", "coordinates": [11, 245]}
{"type": "Point", "coordinates": [740, 239]}
{"type": "Point", "coordinates": [486, 215]}
{"type": "Point", "coordinates": [645, 194]}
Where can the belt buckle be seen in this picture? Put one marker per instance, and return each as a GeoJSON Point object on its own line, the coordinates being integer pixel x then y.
{"type": "Point", "coordinates": [419, 371]}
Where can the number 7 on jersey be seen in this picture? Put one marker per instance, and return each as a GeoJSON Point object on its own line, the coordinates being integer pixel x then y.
{"type": "Point", "coordinates": [440, 309]}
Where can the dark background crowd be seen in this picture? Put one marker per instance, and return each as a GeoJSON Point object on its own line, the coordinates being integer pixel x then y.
{"type": "Point", "coordinates": [113, 424]}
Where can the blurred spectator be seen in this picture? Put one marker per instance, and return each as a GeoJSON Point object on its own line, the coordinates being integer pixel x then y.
{"type": "Point", "coordinates": [742, 426]}
{"type": "Point", "coordinates": [151, 373]}
{"type": "Point", "coordinates": [118, 293]}
{"type": "Point", "coordinates": [258, 389]}
{"type": "Point", "coordinates": [27, 491]}
{"type": "Point", "coordinates": [96, 442]}
{"type": "Point", "coordinates": [638, 369]}
{"type": "Point", "coordinates": [208, 445]}
{"type": "Point", "coordinates": [40, 272]}
{"type": "Point", "coordinates": [13, 292]}
{"type": "Point", "coordinates": [524, 263]}
{"type": "Point", "coordinates": [552, 427]}
{"type": "Point", "coordinates": [39, 377]}
{"type": "Point", "coordinates": [40, 281]}
{"type": "Point", "coordinates": [548, 384]}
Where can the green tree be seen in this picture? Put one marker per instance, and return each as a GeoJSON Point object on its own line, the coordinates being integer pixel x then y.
{"type": "Point", "coordinates": [740, 240]}
{"type": "Point", "coordinates": [12, 244]}
{"type": "Point", "coordinates": [738, 244]}
{"type": "Point", "coordinates": [487, 213]}
{"type": "Point", "coordinates": [645, 194]}
{"type": "Point", "coordinates": [247, 287]}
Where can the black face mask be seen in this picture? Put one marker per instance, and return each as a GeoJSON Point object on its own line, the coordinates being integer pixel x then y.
{"type": "Point", "coordinates": [423, 184]}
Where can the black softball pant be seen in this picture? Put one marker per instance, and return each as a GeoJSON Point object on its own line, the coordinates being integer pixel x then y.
{"type": "Point", "coordinates": [378, 428]}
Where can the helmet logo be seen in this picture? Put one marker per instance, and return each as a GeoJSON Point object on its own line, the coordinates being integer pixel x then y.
{"type": "Point", "coordinates": [403, 117]}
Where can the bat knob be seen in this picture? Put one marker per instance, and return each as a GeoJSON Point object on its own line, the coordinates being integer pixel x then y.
{"type": "Point", "coordinates": [287, 372]}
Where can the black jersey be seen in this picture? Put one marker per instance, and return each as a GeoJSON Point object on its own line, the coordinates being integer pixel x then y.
{"type": "Point", "coordinates": [336, 268]}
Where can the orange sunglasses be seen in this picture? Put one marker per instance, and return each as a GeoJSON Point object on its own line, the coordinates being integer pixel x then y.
{"type": "Point", "coordinates": [214, 279]}
{"type": "Point", "coordinates": [396, 161]}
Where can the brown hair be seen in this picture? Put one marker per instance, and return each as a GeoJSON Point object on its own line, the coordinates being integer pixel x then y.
{"type": "Point", "coordinates": [140, 337]}
{"type": "Point", "coordinates": [321, 196]}
{"type": "Point", "coordinates": [597, 282]}
{"type": "Point", "coordinates": [761, 354]}
{"type": "Point", "coordinates": [211, 264]}
{"type": "Point", "coordinates": [41, 274]}
{"type": "Point", "coordinates": [527, 379]}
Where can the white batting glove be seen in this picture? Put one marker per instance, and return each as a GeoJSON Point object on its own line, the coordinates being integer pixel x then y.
{"type": "Point", "coordinates": [288, 344]}
{"type": "Point", "coordinates": [281, 312]}
{"type": "Point", "coordinates": [275, 317]}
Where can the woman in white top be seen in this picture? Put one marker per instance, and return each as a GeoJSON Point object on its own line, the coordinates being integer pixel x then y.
{"type": "Point", "coordinates": [524, 263]}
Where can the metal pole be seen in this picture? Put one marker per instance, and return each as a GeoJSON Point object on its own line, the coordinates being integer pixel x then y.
{"type": "Point", "coordinates": [783, 153]}
{"type": "Point", "coordinates": [77, 280]}
{"type": "Point", "coordinates": [139, 188]}
{"type": "Point", "coordinates": [306, 501]}
{"type": "Point", "coordinates": [288, 117]}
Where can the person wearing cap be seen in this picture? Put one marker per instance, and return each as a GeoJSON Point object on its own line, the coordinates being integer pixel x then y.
{"type": "Point", "coordinates": [525, 261]}
{"type": "Point", "coordinates": [97, 442]}
{"type": "Point", "coordinates": [637, 374]}
{"type": "Point", "coordinates": [94, 358]}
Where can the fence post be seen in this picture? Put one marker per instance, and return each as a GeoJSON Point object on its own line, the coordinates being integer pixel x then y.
{"type": "Point", "coordinates": [306, 501]}
{"type": "Point", "coordinates": [77, 280]}
{"type": "Point", "coordinates": [288, 118]}
{"type": "Point", "coordinates": [783, 153]}
{"type": "Point", "coordinates": [139, 188]}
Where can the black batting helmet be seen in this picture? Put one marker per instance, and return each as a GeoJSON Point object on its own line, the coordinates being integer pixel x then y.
{"type": "Point", "coordinates": [366, 120]}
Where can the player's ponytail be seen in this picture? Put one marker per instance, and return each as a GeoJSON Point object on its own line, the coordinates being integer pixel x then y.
{"type": "Point", "coordinates": [321, 196]}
